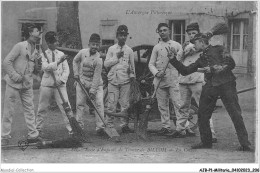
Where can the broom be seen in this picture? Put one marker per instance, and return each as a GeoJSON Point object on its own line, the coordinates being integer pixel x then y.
{"type": "Point", "coordinates": [71, 142]}
{"type": "Point", "coordinates": [134, 98]}
{"type": "Point", "coordinates": [218, 29]}
{"type": "Point", "coordinates": [143, 124]}
{"type": "Point", "coordinates": [77, 130]}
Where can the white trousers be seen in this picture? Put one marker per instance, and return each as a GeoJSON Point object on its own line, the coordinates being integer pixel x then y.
{"type": "Point", "coordinates": [81, 103]}
{"type": "Point", "coordinates": [26, 96]}
{"type": "Point", "coordinates": [44, 101]}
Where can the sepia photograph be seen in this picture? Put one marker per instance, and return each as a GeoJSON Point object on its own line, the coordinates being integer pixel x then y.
{"type": "Point", "coordinates": [121, 83]}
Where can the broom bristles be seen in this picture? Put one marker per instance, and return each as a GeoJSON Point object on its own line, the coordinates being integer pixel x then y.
{"type": "Point", "coordinates": [75, 126]}
{"type": "Point", "coordinates": [62, 143]}
{"type": "Point", "coordinates": [66, 143]}
{"type": "Point", "coordinates": [220, 28]}
{"type": "Point", "coordinates": [135, 93]}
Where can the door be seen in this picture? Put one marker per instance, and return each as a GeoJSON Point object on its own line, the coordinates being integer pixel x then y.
{"type": "Point", "coordinates": [238, 47]}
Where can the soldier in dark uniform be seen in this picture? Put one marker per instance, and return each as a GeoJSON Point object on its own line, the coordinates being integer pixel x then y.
{"type": "Point", "coordinates": [217, 64]}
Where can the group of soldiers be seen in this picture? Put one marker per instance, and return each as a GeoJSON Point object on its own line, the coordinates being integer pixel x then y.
{"type": "Point", "coordinates": [205, 75]}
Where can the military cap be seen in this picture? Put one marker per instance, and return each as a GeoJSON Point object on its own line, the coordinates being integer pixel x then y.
{"type": "Point", "coordinates": [94, 38]}
{"type": "Point", "coordinates": [199, 36]}
{"type": "Point", "coordinates": [161, 25]}
{"type": "Point", "coordinates": [51, 37]}
{"type": "Point", "coordinates": [122, 29]}
{"type": "Point", "coordinates": [193, 26]}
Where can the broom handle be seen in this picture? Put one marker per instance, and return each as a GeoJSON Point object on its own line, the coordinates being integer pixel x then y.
{"type": "Point", "coordinates": [54, 78]}
{"type": "Point", "coordinates": [154, 93]}
{"type": "Point", "coordinates": [87, 94]}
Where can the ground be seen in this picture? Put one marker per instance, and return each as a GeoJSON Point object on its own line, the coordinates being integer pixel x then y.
{"type": "Point", "coordinates": [158, 150]}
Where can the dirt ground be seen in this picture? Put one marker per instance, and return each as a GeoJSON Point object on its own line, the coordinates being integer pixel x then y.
{"type": "Point", "coordinates": [158, 150]}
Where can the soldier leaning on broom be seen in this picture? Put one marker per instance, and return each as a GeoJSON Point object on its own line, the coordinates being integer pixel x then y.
{"type": "Point", "coordinates": [19, 65]}
{"type": "Point", "coordinates": [120, 60]}
{"type": "Point", "coordinates": [58, 65]}
{"type": "Point", "coordinates": [87, 66]}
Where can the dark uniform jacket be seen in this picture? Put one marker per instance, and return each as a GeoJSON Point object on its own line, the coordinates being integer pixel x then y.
{"type": "Point", "coordinates": [212, 55]}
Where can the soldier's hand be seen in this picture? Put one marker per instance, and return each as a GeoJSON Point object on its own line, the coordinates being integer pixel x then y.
{"type": "Point", "coordinates": [160, 74]}
{"type": "Point", "coordinates": [19, 78]}
{"type": "Point", "coordinates": [171, 53]}
{"type": "Point", "coordinates": [63, 58]}
{"type": "Point", "coordinates": [120, 54]}
{"type": "Point", "coordinates": [92, 96]}
{"type": "Point", "coordinates": [207, 70]}
{"type": "Point", "coordinates": [217, 68]}
{"type": "Point", "coordinates": [76, 77]}
{"type": "Point", "coordinates": [59, 82]}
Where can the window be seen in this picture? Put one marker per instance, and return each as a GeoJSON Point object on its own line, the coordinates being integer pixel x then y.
{"type": "Point", "coordinates": [177, 30]}
{"type": "Point", "coordinates": [108, 42]}
{"type": "Point", "coordinates": [239, 34]}
{"type": "Point", "coordinates": [108, 32]}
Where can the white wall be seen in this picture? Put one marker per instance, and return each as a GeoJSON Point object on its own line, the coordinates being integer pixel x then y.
{"type": "Point", "coordinates": [142, 24]}
{"type": "Point", "coordinates": [13, 11]}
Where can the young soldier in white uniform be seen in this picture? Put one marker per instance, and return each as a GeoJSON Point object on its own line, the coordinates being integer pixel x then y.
{"type": "Point", "coordinates": [168, 87]}
{"type": "Point", "coordinates": [59, 66]}
{"type": "Point", "coordinates": [19, 65]}
{"type": "Point", "coordinates": [191, 85]}
{"type": "Point", "coordinates": [120, 61]}
{"type": "Point", "coordinates": [87, 66]}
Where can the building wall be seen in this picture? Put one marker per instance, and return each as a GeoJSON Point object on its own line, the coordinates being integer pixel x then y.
{"type": "Point", "coordinates": [142, 18]}
{"type": "Point", "coordinates": [13, 11]}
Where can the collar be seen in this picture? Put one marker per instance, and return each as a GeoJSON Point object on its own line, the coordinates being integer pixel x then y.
{"type": "Point", "coordinates": [50, 51]}
{"type": "Point", "coordinates": [92, 54]}
{"type": "Point", "coordinates": [119, 47]}
{"type": "Point", "coordinates": [167, 42]}
{"type": "Point", "coordinates": [207, 48]}
{"type": "Point", "coordinates": [30, 42]}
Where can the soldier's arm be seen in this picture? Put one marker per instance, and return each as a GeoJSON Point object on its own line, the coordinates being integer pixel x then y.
{"type": "Point", "coordinates": [152, 61]}
{"type": "Point", "coordinates": [98, 63]}
{"type": "Point", "coordinates": [111, 59]}
{"type": "Point", "coordinates": [8, 63]}
{"type": "Point", "coordinates": [46, 66]}
{"type": "Point", "coordinates": [185, 70]}
{"type": "Point", "coordinates": [228, 63]}
{"type": "Point", "coordinates": [66, 71]}
{"type": "Point", "coordinates": [76, 63]}
{"type": "Point", "coordinates": [179, 55]}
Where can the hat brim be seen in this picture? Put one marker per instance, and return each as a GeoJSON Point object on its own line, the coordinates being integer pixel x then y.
{"type": "Point", "coordinates": [94, 41]}
{"type": "Point", "coordinates": [51, 40]}
{"type": "Point", "coordinates": [122, 33]}
{"type": "Point", "coordinates": [192, 29]}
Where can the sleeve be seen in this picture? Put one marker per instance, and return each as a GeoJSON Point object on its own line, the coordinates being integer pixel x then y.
{"type": "Point", "coordinates": [152, 61]}
{"type": "Point", "coordinates": [76, 63]}
{"type": "Point", "coordinates": [48, 66]}
{"type": "Point", "coordinates": [66, 71]}
{"type": "Point", "coordinates": [228, 61]}
{"type": "Point", "coordinates": [97, 75]}
{"type": "Point", "coordinates": [227, 64]}
{"type": "Point", "coordinates": [186, 70]}
{"type": "Point", "coordinates": [111, 59]}
{"type": "Point", "coordinates": [179, 52]}
{"type": "Point", "coordinates": [132, 63]}
{"type": "Point", "coordinates": [8, 63]}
